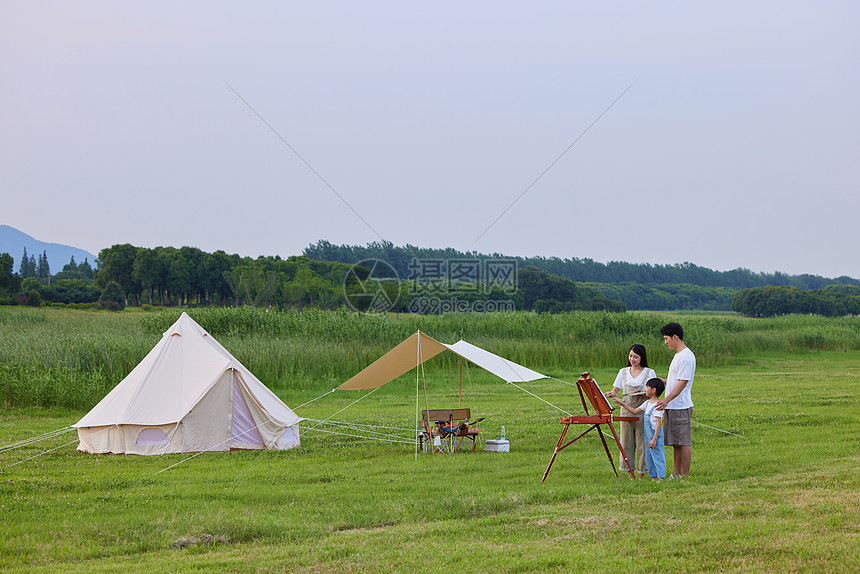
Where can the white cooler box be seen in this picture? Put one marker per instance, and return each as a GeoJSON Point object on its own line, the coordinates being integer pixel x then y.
{"type": "Point", "coordinates": [497, 445]}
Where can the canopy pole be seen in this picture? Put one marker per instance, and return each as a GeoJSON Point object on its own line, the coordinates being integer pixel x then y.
{"type": "Point", "coordinates": [460, 398]}
{"type": "Point", "coordinates": [417, 392]}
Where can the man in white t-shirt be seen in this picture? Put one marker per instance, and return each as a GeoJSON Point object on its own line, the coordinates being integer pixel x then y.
{"type": "Point", "coordinates": [678, 403]}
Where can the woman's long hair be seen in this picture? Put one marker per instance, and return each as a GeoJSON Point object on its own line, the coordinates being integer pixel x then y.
{"type": "Point", "coordinates": [639, 350]}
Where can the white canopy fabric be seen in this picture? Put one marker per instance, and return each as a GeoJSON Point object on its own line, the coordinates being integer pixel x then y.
{"type": "Point", "coordinates": [419, 348]}
{"type": "Point", "coordinates": [506, 370]}
{"type": "Point", "coordinates": [189, 394]}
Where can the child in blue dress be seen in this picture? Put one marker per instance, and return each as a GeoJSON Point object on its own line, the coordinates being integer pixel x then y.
{"type": "Point", "coordinates": [655, 456]}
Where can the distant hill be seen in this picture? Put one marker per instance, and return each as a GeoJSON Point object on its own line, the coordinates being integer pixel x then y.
{"type": "Point", "coordinates": [13, 242]}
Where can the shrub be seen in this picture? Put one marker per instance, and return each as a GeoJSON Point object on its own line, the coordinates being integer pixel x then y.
{"type": "Point", "coordinates": [112, 294]}
{"type": "Point", "coordinates": [34, 299]}
{"type": "Point", "coordinates": [109, 305]}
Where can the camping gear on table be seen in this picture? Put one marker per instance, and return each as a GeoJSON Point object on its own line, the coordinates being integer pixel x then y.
{"type": "Point", "coordinates": [452, 431]}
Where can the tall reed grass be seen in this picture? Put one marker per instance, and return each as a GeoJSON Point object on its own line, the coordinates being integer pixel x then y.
{"type": "Point", "coordinates": [69, 358]}
{"type": "Point", "coordinates": [65, 358]}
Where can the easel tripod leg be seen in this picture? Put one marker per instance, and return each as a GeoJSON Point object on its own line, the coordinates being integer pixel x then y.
{"type": "Point", "coordinates": [608, 454]}
{"type": "Point", "coordinates": [555, 452]}
{"type": "Point", "coordinates": [623, 454]}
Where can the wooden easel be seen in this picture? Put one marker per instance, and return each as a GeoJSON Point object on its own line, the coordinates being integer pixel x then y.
{"type": "Point", "coordinates": [588, 388]}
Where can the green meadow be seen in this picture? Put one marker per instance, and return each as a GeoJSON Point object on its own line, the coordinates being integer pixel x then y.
{"type": "Point", "coordinates": [784, 496]}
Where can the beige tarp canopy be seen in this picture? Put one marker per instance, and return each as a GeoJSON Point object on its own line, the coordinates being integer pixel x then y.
{"type": "Point", "coordinates": [419, 348]}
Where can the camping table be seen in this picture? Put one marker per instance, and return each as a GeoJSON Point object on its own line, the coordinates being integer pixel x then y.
{"type": "Point", "coordinates": [465, 440]}
{"type": "Point", "coordinates": [444, 424]}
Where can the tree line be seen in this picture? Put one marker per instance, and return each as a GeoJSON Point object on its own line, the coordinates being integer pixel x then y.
{"type": "Point", "coordinates": [660, 297]}
{"type": "Point", "coordinates": [635, 285]}
{"type": "Point", "coordinates": [610, 286]}
{"type": "Point", "coordinates": [163, 276]}
{"type": "Point", "coordinates": [73, 285]}
{"type": "Point", "coordinates": [581, 270]}
{"type": "Point", "coordinates": [772, 300]}
{"type": "Point", "coordinates": [166, 276]}
{"type": "Point", "coordinates": [190, 276]}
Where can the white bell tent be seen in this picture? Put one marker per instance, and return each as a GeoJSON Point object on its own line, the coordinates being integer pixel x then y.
{"type": "Point", "coordinates": [189, 394]}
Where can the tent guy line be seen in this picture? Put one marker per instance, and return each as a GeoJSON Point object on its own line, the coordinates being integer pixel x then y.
{"type": "Point", "coordinates": [53, 435]}
{"type": "Point", "coordinates": [359, 425]}
{"type": "Point", "coordinates": [38, 455]}
{"type": "Point", "coordinates": [540, 399]}
{"type": "Point", "coordinates": [315, 172]}
{"type": "Point", "coordinates": [170, 438]}
{"type": "Point", "coordinates": [520, 196]}
{"type": "Point", "coordinates": [347, 406]}
{"type": "Point", "coordinates": [369, 435]}
{"type": "Point", "coordinates": [716, 429]}
{"type": "Point", "coordinates": [35, 439]}
{"type": "Point", "coordinates": [241, 476]}
{"type": "Point", "coordinates": [364, 437]}
{"type": "Point", "coordinates": [248, 431]}
{"type": "Point", "coordinates": [315, 400]}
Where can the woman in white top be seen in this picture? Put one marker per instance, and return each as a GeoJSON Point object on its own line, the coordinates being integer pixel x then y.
{"type": "Point", "coordinates": [631, 383]}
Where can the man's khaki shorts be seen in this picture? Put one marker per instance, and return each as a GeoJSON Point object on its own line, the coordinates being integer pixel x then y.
{"type": "Point", "coordinates": [678, 427]}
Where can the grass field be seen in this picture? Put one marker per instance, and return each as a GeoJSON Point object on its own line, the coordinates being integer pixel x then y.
{"type": "Point", "coordinates": [785, 498]}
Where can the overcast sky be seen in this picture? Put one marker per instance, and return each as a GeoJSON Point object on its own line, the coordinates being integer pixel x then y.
{"type": "Point", "coordinates": [737, 145]}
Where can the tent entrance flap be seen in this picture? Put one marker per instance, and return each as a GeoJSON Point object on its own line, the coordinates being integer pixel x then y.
{"type": "Point", "coordinates": [245, 431]}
